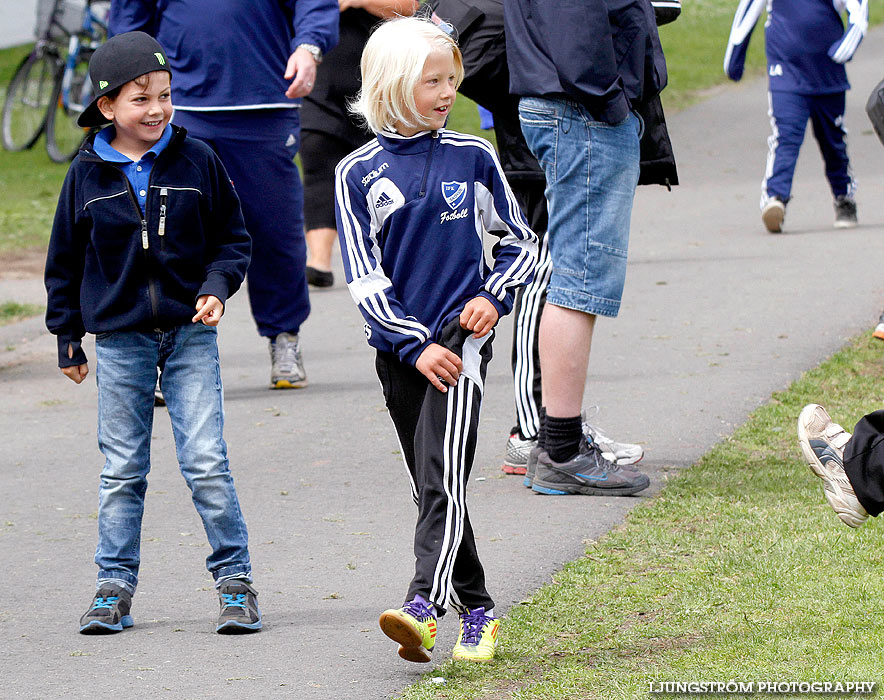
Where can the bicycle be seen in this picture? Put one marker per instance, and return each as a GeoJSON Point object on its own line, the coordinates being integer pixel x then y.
{"type": "Point", "coordinates": [50, 89]}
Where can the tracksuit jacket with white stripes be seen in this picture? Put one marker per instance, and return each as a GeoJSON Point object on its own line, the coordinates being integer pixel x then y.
{"type": "Point", "coordinates": [805, 41]}
{"type": "Point", "coordinates": [411, 214]}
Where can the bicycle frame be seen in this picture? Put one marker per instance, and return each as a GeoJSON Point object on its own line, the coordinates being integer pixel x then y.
{"type": "Point", "coordinates": [90, 32]}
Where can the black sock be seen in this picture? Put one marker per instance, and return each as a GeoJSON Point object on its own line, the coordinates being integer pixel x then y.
{"type": "Point", "coordinates": [563, 437]}
{"type": "Point", "coordinates": [541, 430]}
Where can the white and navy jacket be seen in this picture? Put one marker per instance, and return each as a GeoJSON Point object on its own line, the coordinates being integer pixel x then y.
{"type": "Point", "coordinates": [805, 41]}
{"type": "Point", "coordinates": [412, 213]}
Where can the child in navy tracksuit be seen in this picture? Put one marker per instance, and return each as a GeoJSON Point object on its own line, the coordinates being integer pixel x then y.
{"type": "Point", "coordinates": [413, 206]}
{"type": "Point", "coordinates": [807, 48]}
{"type": "Point", "coordinates": [148, 231]}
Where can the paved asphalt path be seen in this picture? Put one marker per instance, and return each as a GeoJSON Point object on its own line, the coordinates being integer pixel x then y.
{"type": "Point", "coordinates": [717, 315]}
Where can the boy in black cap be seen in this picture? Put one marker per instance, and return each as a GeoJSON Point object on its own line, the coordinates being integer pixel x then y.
{"type": "Point", "coordinates": [148, 231]}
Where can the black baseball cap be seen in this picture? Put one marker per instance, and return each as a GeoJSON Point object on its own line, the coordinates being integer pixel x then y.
{"type": "Point", "coordinates": [120, 59]}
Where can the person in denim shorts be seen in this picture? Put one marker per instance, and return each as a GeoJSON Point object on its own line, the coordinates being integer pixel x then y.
{"type": "Point", "coordinates": [147, 245]}
{"type": "Point", "coordinates": [579, 68]}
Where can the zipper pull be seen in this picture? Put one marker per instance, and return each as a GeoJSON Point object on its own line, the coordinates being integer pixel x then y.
{"type": "Point", "coordinates": [144, 234]}
{"type": "Point", "coordinates": [164, 193]}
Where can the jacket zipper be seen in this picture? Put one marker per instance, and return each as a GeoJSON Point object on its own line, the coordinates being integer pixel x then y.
{"type": "Point", "coordinates": [164, 193]}
{"type": "Point", "coordinates": [428, 163]}
{"type": "Point", "coordinates": [145, 244]}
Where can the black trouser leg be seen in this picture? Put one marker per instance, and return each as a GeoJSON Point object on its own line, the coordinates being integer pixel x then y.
{"type": "Point", "coordinates": [864, 462]}
{"type": "Point", "coordinates": [437, 433]}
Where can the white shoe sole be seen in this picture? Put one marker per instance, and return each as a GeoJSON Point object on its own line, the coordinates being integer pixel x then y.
{"type": "Point", "coordinates": [845, 505]}
{"type": "Point", "coordinates": [773, 215]}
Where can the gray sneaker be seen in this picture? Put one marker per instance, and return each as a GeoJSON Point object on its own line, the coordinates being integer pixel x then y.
{"type": "Point", "coordinates": [239, 608]}
{"type": "Point", "coordinates": [627, 465]}
{"type": "Point", "coordinates": [287, 368]}
{"type": "Point", "coordinates": [109, 611]}
{"type": "Point", "coordinates": [531, 466]}
{"type": "Point", "coordinates": [589, 473]}
{"type": "Point", "coordinates": [822, 443]}
{"type": "Point", "coordinates": [845, 212]}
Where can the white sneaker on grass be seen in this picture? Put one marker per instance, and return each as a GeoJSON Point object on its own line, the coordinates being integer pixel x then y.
{"type": "Point", "coordinates": [822, 443]}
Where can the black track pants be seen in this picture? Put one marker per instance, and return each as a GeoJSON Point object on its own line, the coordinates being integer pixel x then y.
{"type": "Point", "coordinates": [437, 434]}
{"type": "Point", "coordinates": [864, 462]}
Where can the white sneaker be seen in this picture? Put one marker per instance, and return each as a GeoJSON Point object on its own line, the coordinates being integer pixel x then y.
{"type": "Point", "coordinates": [517, 451]}
{"type": "Point", "coordinates": [773, 214]}
{"type": "Point", "coordinates": [287, 367]}
{"type": "Point", "coordinates": [822, 443]}
{"type": "Point", "coordinates": [621, 453]}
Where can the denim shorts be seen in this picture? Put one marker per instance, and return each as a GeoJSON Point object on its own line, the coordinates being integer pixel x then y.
{"type": "Point", "coordinates": [591, 170]}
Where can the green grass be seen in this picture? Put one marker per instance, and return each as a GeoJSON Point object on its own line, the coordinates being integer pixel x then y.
{"type": "Point", "coordinates": [739, 570]}
{"type": "Point", "coordinates": [29, 181]}
{"type": "Point", "coordinates": [11, 311]}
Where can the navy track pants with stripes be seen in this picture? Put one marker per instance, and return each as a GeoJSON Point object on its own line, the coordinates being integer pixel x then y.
{"type": "Point", "coordinates": [789, 114]}
{"type": "Point", "coordinates": [437, 434]}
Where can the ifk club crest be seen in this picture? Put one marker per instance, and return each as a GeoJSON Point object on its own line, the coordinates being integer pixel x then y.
{"type": "Point", "coordinates": [455, 193]}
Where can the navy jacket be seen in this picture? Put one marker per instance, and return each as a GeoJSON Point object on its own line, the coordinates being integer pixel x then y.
{"type": "Point", "coordinates": [412, 215]}
{"type": "Point", "coordinates": [805, 42]}
{"type": "Point", "coordinates": [110, 268]}
{"type": "Point", "coordinates": [604, 54]}
{"type": "Point", "coordinates": [230, 54]}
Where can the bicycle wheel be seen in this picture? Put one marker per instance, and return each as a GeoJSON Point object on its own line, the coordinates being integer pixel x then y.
{"type": "Point", "coordinates": [27, 100]}
{"type": "Point", "coordinates": [72, 94]}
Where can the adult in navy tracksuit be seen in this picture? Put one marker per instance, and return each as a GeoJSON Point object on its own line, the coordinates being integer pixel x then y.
{"type": "Point", "coordinates": [807, 48]}
{"type": "Point", "coordinates": [240, 71]}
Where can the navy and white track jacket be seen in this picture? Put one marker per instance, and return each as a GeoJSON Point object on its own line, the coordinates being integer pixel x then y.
{"type": "Point", "coordinates": [805, 41]}
{"type": "Point", "coordinates": [230, 54]}
{"type": "Point", "coordinates": [112, 267]}
{"type": "Point", "coordinates": [412, 213]}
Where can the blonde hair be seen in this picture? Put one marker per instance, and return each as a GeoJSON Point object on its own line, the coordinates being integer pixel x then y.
{"type": "Point", "coordinates": [392, 63]}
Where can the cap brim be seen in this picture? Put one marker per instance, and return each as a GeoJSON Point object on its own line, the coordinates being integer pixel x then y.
{"type": "Point", "coordinates": [92, 116]}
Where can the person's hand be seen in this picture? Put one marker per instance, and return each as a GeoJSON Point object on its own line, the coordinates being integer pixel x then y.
{"type": "Point", "coordinates": [439, 365]}
{"type": "Point", "coordinates": [209, 310]}
{"type": "Point", "coordinates": [301, 70]}
{"type": "Point", "coordinates": [77, 373]}
{"type": "Point", "coordinates": [347, 4]}
{"type": "Point", "coordinates": [479, 316]}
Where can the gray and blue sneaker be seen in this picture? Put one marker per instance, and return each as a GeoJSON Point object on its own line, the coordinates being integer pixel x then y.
{"type": "Point", "coordinates": [239, 608]}
{"type": "Point", "coordinates": [531, 466]}
{"type": "Point", "coordinates": [109, 612]}
{"type": "Point", "coordinates": [588, 473]}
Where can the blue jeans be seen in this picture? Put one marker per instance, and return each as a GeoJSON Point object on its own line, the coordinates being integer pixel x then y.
{"type": "Point", "coordinates": [591, 170]}
{"type": "Point", "coordinates": [127, 363]}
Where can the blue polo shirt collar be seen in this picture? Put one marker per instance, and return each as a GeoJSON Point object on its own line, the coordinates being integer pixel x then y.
{"type": "Point", "coordinates": [137, 172]}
